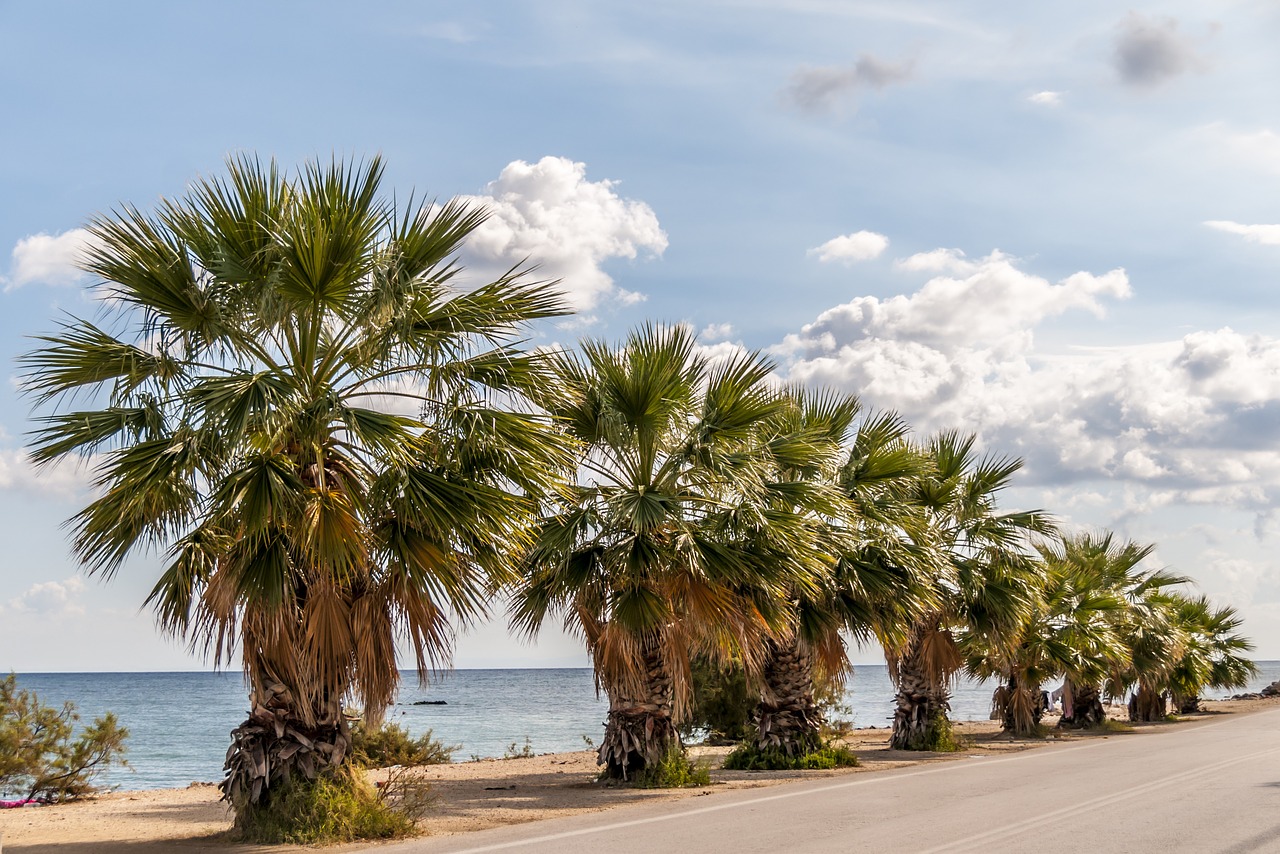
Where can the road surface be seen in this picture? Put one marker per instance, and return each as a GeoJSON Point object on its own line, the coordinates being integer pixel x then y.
{"type": "Point", "coordinates": [1211, 785]}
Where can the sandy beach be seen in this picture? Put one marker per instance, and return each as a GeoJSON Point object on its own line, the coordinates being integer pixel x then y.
{"type": "Point", "coordinates": [469, 795]}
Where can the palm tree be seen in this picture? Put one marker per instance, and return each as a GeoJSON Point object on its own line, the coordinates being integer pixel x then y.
{"type": "Point", "coordinates": [870, 589]}
{"type": "Point", "coordinates": [1213, 657]}
{"type": "Point", "coordinates": [671, 542]}
{"type": "Point", "coordinates": [1069, 633]}
{"type": "Point", "coordinates": [787, 717]}
{"type": "Point", "coordinates": [1156, 642]}
{"type": "Point", "coordinates": [980, 581]}
{"type": "Point", "coordinates": [1100, 565]}
{"type": "Point", "coordinates": [295, 407]}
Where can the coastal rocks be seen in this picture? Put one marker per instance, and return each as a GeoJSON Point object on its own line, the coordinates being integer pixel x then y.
{"type": "Point", "coordinates": [1272, 690]}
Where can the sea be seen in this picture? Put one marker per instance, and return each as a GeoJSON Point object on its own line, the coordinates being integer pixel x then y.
{"type": "Point", "coordinates": [179, 723]}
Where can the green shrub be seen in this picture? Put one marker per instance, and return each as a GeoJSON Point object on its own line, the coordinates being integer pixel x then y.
{"type": "Point", "coordinates": [673, 771]}
{"type": "Point", "coordinates": [721, 703]}
{"type": "Point", "coordinates": [1112, 725]}
{"type": "Point", "coordinates": [342, 807]}
{"type": "Point", "coordinates": [942, 737]}
{"type": "Point", "coordinates": [40, 759]}
{"type": "Point", "coordinates": [749, 757]}
{"type": "Point", "coordinates": [391, 745]}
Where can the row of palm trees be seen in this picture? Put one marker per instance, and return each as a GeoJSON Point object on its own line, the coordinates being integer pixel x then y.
{"type": "Point", "coordinates": [335, 449]}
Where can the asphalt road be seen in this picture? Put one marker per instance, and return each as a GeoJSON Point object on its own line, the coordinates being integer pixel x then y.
{"type": "Point", "coordinates": [1203, 786]}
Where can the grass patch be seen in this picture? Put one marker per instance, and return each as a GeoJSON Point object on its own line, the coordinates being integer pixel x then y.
{"type": "Point", "coordinates": [748, 757]}
{"type": "Point", "coordinates": [391, 745]}
{"type": "Point", "coordinates": [675, 770]}
{"type": "Point", "coordinates": [338, 808]}
{"type": "Point", "coordinates": [1112, 725]}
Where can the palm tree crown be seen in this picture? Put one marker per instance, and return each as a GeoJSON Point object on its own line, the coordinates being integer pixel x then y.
{"type": "Point", "coordinates": [293, 404]}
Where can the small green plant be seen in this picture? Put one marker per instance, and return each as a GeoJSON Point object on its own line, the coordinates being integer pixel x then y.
{"type": "Point", "coordinates": [391, 744]}
{"type": "Point", "coordinates": [942, 737]}
{"type": "Point", "coordinates": [518, 751]}
{"type": "Point", "coordinates": [588, 741]}
{"type": "Point", "coordinates": [340, 807]}
{"type": "Point", "coordinates": [673, 771]}
{"type": "Point", "coordinates": [1112, 725]}
{"type": "Point", "coordinates": [40, 759]}
{"type": "Point", "coordinates": [749, 757]}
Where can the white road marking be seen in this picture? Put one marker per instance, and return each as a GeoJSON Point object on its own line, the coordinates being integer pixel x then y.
{"type": "Point", "coordinates": [848, 784]}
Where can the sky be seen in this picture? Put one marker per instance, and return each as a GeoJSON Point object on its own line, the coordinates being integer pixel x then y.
{"type": "Point", "coordinates": [1056, 226]}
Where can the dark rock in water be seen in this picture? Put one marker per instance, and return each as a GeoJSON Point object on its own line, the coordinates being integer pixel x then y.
{"type": "Point", "coordinates": [430, 703]}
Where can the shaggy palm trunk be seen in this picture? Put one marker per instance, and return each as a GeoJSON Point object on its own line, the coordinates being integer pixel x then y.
{"type": "Point", "coordinates": [640, 729]}
{"type": "Point", "coordinates": [787, 718]}
{"type": "Point", "coordinates": [1019, 706]}
{"type": "Point", "coordinates": [922, 703]}
{"type": "Point", "coordinates": [1084, 709]}
{"type": "Point", "coordinates": [1186, 704]}
{"type": "Point", "coordinates": [275, 746]}
{"type": "Point", "coordinates": [1147, 705]}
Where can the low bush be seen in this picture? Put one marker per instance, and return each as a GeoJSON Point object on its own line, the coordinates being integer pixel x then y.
{"type": "Point", "coordinates": [749, 757]}
{"type": "Point", "coordinates": [673, 771]}
{"type": "Point", "coordinates": [942, 737]}
{"type": "Point", "coordinates": [391, 744]}
{"type": "Point", "coordinates": [42, 758]}
{"type": "Point", "coordinates": [340, 807]}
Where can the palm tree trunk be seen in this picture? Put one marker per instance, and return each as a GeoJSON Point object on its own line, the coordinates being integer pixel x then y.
{"type": "Point", "coordinates": [787, 718]}
{"type": "Point", "coordinates": [1147, 705]}
{"type": "Point", "coordinates": [275, 746]}
{"type": "Point", "coordinates": [1186, 704]}
{"type": "Point", "coordinates": [1086, 707]}
{"type": "Point", "coordinates": [1020, 707]}
{"type": "Point", "coordinates": [922, 703]}
{"type": "Point", "coordinates": [640, 730]}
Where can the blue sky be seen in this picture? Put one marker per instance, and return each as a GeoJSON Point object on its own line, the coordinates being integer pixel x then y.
{"type": "Point", "coordinates": [1057, 228]}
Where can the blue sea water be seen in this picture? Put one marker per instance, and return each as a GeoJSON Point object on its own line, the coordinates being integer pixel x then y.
{"type": "Point", "coordinates": [179, 723]}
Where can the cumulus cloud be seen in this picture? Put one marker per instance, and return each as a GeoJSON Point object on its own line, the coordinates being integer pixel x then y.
{"type": "Point", "coordinates": [48, 259]}
{"type": "Point", "coordinates": [1048, 99]}
{"type": "Point", "coordinates": [549, 214]}
{"type": "Point", "coordinates": [65, 479]}
{"type": "Point", "coordinates": [827, 88]}
{"type": "Point", "coordinates": [50, 598]}
{"type": "Point", "coordinates": [1193, 421]}
{"type": "Point", "coordinates": [716, 332]}
{"type": "Point", "coordinates": [1151, 51]}
{"type": "Point", "coordinates": [1265, 234]}
{"type": "Point", "coordinates": [847, 248]}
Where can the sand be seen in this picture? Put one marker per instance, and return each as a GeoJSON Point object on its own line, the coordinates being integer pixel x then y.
{"type": "Point", "coordinates": [469, 795]}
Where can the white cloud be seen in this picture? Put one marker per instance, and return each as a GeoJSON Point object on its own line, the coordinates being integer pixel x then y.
{"type": "Point", "coordinates": [716, 332]}
{"type": "Point", "coordinates": [1048, 99]}
{"type": "Point", "coordinates": [51, 598]}
{"type": "Point", "coordinates": [1151, 51]}
{"type": "Point", "coordinates": [858, 246]}
{"type": "Point", "coordinates": [550, 214]}
{"type": "Point", "coordinates": [1192, 422]}
{"type": "Point", "coordinates": [1265, 234]}
{"type": "Point", "coordinates": [828, 88]}
{"type": "Point", "coordinates": [65, 479]}
{"type": "Point", "coordinates": [48, 259]}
